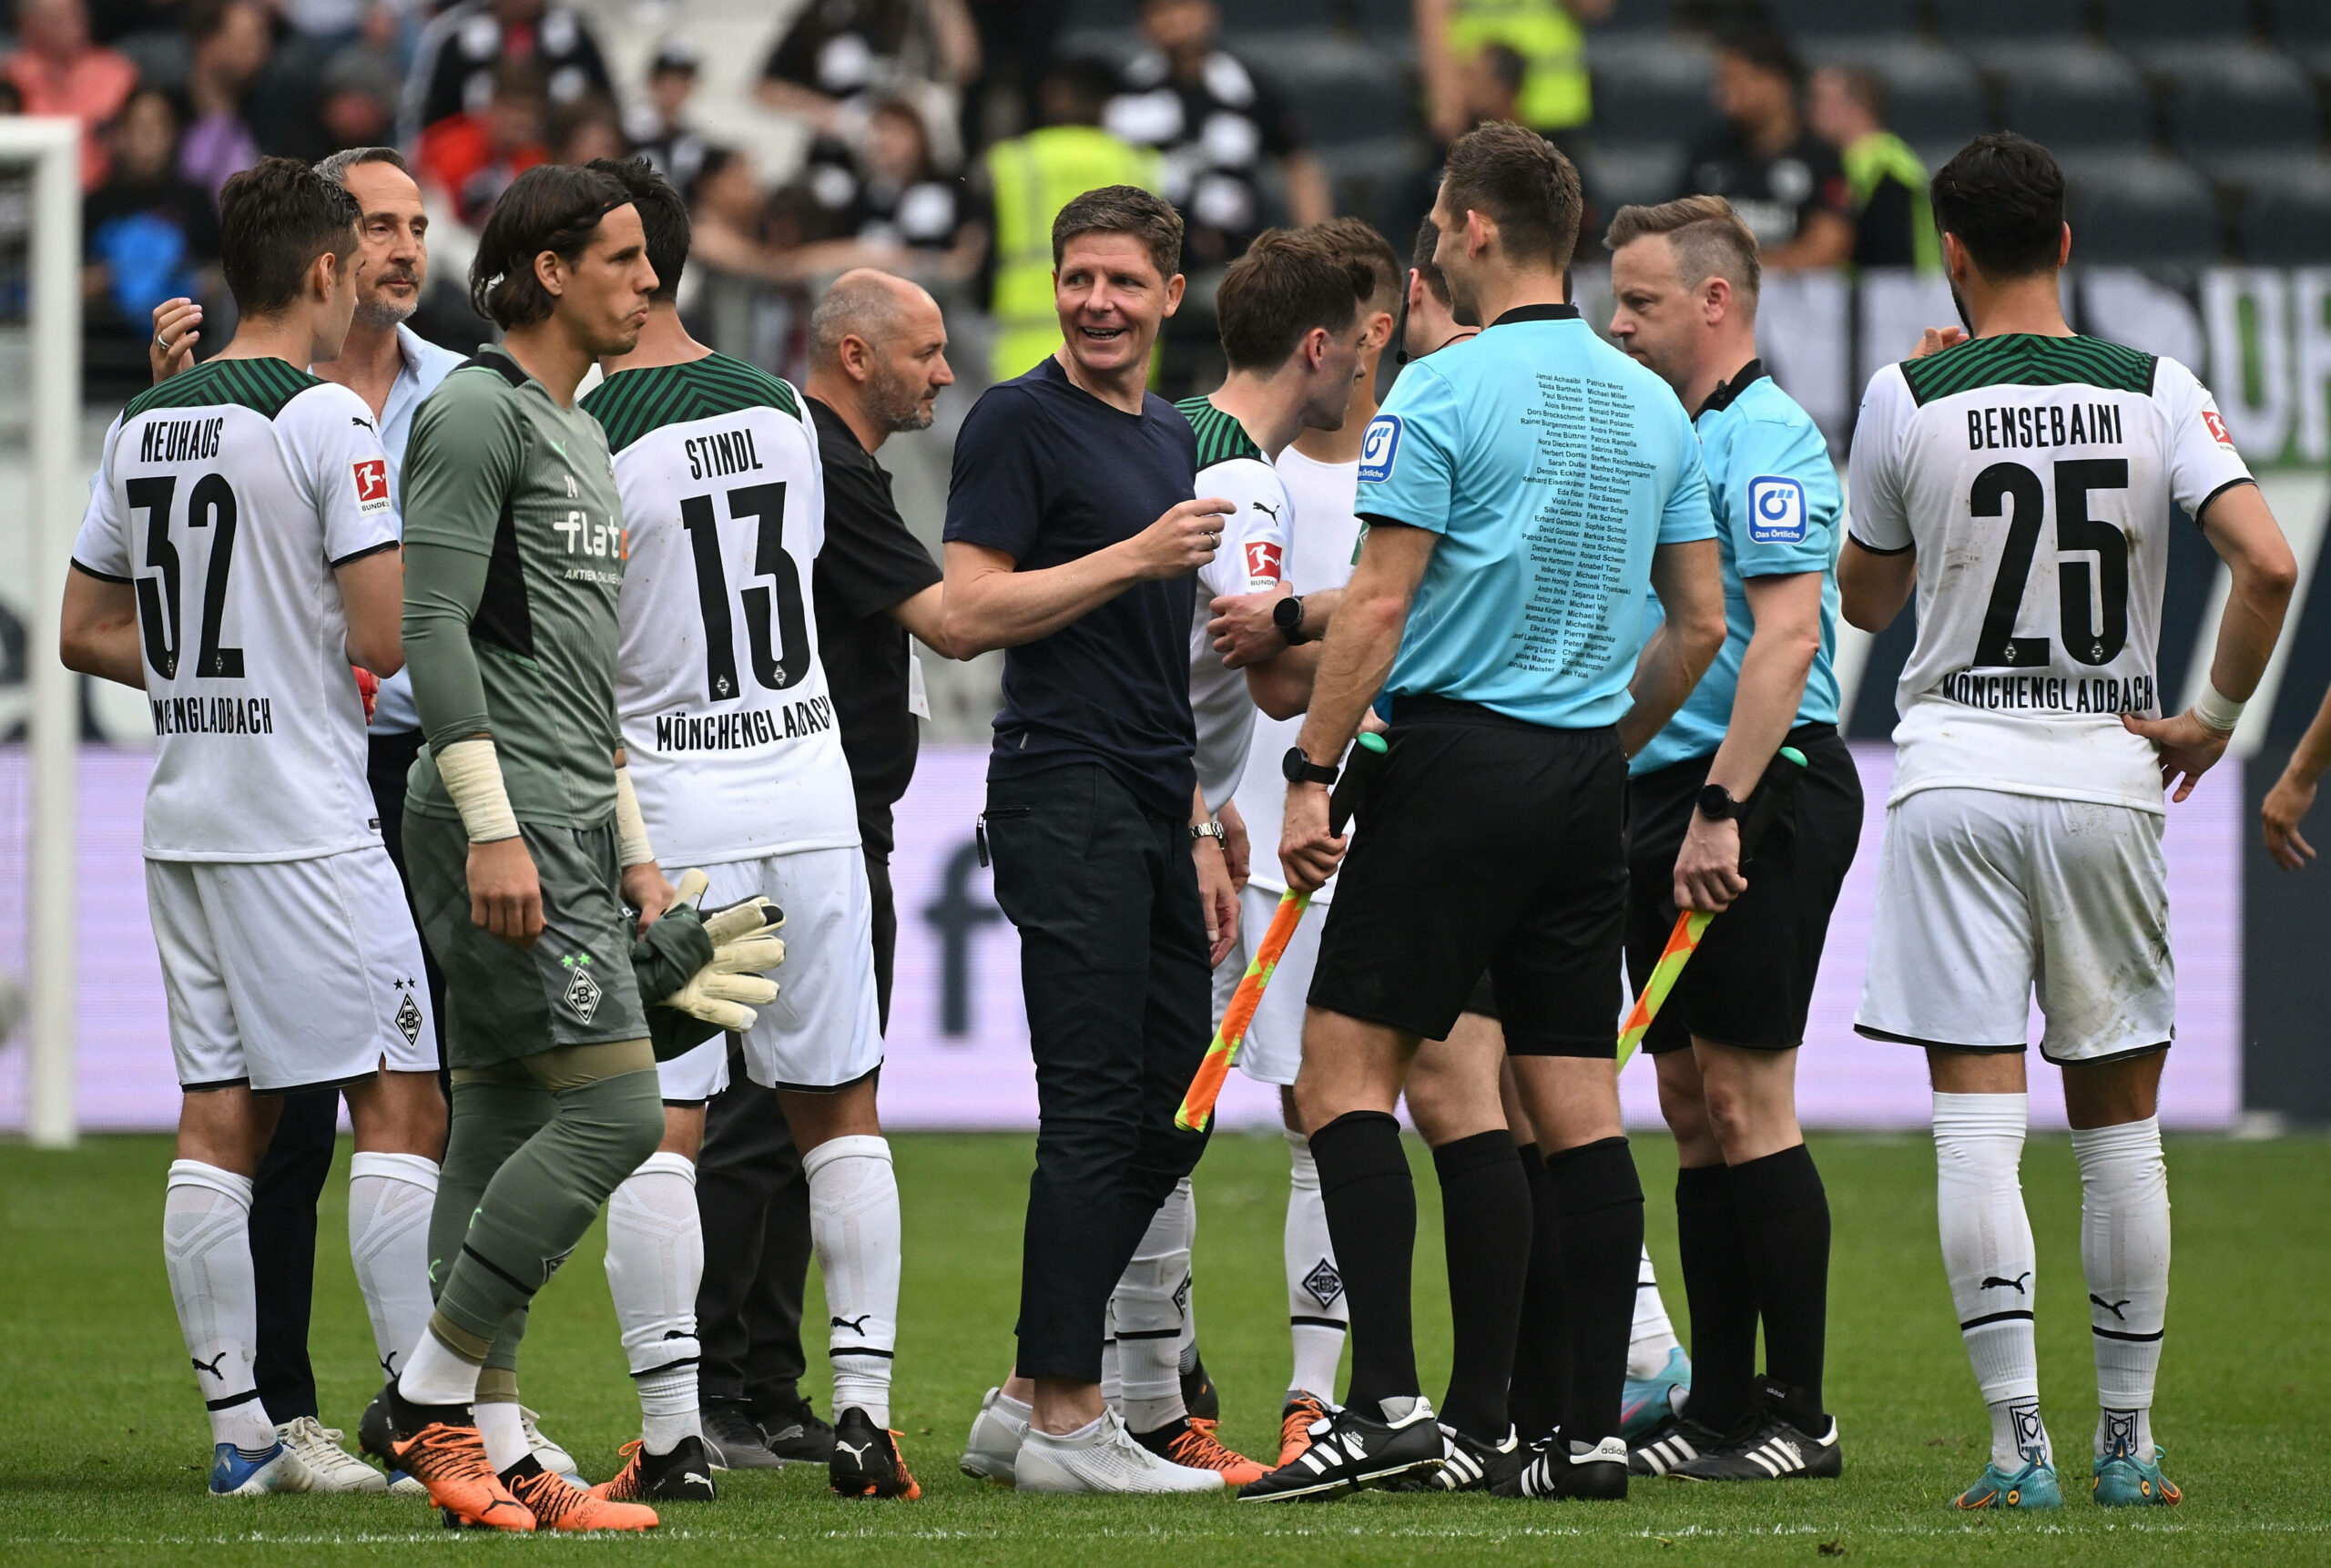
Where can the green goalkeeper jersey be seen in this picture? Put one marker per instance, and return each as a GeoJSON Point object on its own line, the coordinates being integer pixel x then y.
{"type": "Point", "coordinates": [513, 562]}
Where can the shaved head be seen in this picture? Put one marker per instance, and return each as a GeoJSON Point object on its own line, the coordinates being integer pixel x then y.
{"type": "Point", "coordinates": [865, 304]}
{"type": "Point", "coordinates": [879, 344]}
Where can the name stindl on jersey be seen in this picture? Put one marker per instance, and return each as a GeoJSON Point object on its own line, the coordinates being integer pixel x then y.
{"type": "Point", "coordinates": [1775, 510]}
{"type": "Point", "coordinates": [1379, 449]}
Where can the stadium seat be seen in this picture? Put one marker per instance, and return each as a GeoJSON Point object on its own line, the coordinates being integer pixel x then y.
{"type": "Point", "coordinates": [2074, 98]}
{"type": "Point", "coordinates": [2232, 107]}
{"type": "Point", "coordinates": [1632, 173]}
{"type": "Point", "coordinates": [2304, 27]}
{"type": "Point", "coordinates": [1997, 28]}
{"type": "Point", "coordinates": [2140, 211]}
{"type": "Point", "coordinates": [1627, 16]}
{"type": "Point", "coordinates": [1807, 21]}
{"type": "Point", "coordinates": [1649, 88]}
{"type": "Point", "coordinates": [1933, 94]}
{"type": "Point", "coordinates": [2287, 222]}
{"type": "Point", "coordinates": [1344, 90]}
{"type": "Point", "coordinates": [2156, 29]}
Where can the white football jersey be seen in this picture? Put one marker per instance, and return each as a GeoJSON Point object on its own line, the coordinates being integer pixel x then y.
{"type": "Point", "coordinates": [2033, 476]}
{"type": "Point", "coordinates": [226, 497]}
{"type": "Point", "coordinates": [1319, 557]}
{"type": "Point", "coordinates": [726, 722]}
{"type": "Point", "coordinates": [1249, 558]}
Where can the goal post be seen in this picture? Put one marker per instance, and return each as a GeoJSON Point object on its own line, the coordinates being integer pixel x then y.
{"type": "Point", "coordinates": [52, 514]}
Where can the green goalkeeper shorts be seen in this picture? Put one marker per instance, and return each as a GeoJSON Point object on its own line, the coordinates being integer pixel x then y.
{"type": "Point", "coordinates": [573, 987]}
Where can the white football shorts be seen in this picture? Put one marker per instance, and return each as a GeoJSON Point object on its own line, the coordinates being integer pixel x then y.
{"type": "Point", "coordinates": [825, 1028]}
{"type": "Point", "coordinates": [1274, 1045]}
{"type": "Point", "coordinates": [289, 974]}
{"type": "Point", "coordinates": [1985, 897]}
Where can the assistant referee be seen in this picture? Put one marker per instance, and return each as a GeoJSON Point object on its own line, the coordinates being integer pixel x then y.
{"type": "Point", "coordinates": [1524, 491]}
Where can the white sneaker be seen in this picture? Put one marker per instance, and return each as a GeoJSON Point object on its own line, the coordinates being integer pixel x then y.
{"type": "Point", "coordinates": [547, 1452]}
{"type": "Point", "coordinates": [331, 1467]}
{"type": "Point", "coordinates": [993, 1449]}
{"type": "Point", "coordinates": [1108, 1461]}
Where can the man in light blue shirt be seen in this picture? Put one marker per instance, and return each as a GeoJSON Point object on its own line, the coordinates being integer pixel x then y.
{"type": "Point", "coordinates": [1752, 1218]}
{"type": "Point", "coordinates": [1525, 490]}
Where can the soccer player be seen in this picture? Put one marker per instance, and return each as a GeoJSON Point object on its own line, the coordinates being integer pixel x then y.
{"type": "Point", "coordinates": [1291, 333]}
{"type": "Point", "coordinates": [523, 834]}
{"type": "Point", "coordinates": [392, 1176]}
{"type": "Point", "coordinates": [2021, 482]}
{"type": "Point", "coordinates": [239, 554]}
{"type": "Point", "coordinates": [730, 728]}
{"type": "Point", "coordinates": [1752, 1218]}
{"type": "Point", "coordinates": [1499, 600]}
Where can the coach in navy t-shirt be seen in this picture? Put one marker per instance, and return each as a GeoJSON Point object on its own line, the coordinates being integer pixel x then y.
{"type": "Point", "coordinates": [1072, 538]}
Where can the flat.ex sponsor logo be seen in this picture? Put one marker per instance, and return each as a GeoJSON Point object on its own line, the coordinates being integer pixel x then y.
{"type": "Point", "coordinates": [1775, 510]}
{"type": "Point", "coordinates": [1379, 449]}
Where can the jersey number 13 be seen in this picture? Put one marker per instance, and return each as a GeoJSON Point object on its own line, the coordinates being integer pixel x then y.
{"type": "Point", "coordinates": [777, 664]}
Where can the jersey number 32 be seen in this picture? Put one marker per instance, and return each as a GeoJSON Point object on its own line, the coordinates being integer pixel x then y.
{"type": "Point", "coordinates": [211, 507]}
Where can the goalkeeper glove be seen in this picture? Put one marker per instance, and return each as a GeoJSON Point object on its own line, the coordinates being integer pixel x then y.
{"type": "Point", "coordinates": [707, 972]}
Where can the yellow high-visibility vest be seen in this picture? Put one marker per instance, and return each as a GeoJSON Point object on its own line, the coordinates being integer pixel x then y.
{"type": "Point", "coordinates": [1033, 177]}
{"type": "Point", "coordinates": [1556, 95]}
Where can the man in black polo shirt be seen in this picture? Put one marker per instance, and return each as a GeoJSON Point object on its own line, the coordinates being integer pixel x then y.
{"type": "Point", "coordinates": [877, 364]}
{"type": "Point", "coordinates": [1072, 536]}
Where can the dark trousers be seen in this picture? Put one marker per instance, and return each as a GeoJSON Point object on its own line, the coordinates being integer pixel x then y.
{"type": "Point", "coordinates": [1112, 963]}
{"type": "Point", "coordinates": [754, 1203]}
{"type": "Point", "coordinates": [291, 1176]}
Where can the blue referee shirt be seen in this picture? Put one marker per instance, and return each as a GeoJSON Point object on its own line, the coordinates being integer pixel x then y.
{"type": "Point", "coordinates": [1777, 513]}
{"type": "Point", "coordinates": [1550, 464]}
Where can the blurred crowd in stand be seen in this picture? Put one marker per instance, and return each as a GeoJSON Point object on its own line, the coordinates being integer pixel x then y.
{"type": "Point", "coordinates": [936, 138]}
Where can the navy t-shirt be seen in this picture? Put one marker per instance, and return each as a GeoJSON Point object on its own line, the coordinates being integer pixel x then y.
{"type": "Point", "coordinates": [1047, 473]}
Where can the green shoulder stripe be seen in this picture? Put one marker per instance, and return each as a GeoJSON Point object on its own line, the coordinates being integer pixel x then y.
{"type": "Point", "coordinates": [2027, 360]}
{"type": "Point", "coordinates": [1220, 437]}
{"type": "Point", "coordinates": [630, 403]}
{"type": "Point", "coordinates": [263, 386]}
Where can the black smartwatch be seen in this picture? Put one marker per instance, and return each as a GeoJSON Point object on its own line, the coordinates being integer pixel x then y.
{"type": "Point", "coordinates": [1287, 617]}
{"type": "Point", "coordinates": [1298, 769]}
{"type": "Point", "coordinates": [1718, 805]}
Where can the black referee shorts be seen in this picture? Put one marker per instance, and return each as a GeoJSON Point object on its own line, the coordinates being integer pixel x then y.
{"type": "Point", "coordinates": [1750, 984]}
{"type": "Point", "coordinates": [1491, 845]}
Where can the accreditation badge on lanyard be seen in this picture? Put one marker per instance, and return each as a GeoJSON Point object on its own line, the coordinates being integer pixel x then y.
{"type": "Point", "coordinates": [917, 693]}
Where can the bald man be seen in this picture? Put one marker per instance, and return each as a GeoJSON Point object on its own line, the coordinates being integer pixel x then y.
{"type": "Point", "coordinates": [879, 360]}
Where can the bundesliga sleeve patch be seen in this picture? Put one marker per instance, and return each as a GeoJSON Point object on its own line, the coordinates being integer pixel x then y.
{"type": "Point", "coordinates": [1775, 510]}
{"type": "Point", "coordinates": [1379, 449]}
{"type": "Point", "coordinates": [2216, 427]}
{"type": "Point", "coordinates": [372, 483]}
{"type": "Point", "coordinates": [1262, 560]}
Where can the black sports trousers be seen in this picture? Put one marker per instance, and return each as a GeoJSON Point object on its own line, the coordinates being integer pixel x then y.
{"type": "Point", "coordinates": [1112, 963]}
{"type": "Point", "coordinates": [291, 1176]}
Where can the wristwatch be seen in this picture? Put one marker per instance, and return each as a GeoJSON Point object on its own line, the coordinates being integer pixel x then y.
{"type": "Point", "coordinates": [1718, 805]}
{"type": "Point", "coordinates": [1211, 827]}
{"type": "Point", "coordinates": [1287, 617]}
{"type": "Point", "coordinates": [1298, 769]}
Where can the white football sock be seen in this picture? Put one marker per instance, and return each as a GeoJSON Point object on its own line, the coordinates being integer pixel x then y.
{"type": "Point", "coordinates": [655, 1262]}
{"type": "Point", "coordinates": [1113, 1389]}
{"type": "Point", "coordinates": [1988, 1253]}
{"type": "Point", "coordinates": [1147, 1309]}
{"type": "Point", "coordinates": [1655, 1338]}
{"type": "Point", "coordinates": [435, 1374]}
{"type": "Point", "coordinates": [854, 1223]}
{"type": "Point", "coordinates": [1318, 1316]}
{"type": "Point", "coordinates": [389, 1199]}
{"type": "Point", "coordinates": [207, 1247]}
{"type": "Point", "coordinates": [505, 1431]}
{"type": "Point", "coordinates": [2124, 1251]}
{"type": "Point", "coordinates": [1185, 1349]}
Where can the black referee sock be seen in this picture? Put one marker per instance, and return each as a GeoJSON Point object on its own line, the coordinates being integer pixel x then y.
{"type": "Point", "coordinates": [1371, 1204]}
{"type": "Point", "coordinates": [1598, 1207]}
{"type": "Point", "coordinates": [1540, 1387]}
{"type": "Point", "coordinates": [1785, 1225]}
{"type": "Point", "coordinates": [1722, 1293]}
{"type": "Point", "coordinates": [1485, 1220]}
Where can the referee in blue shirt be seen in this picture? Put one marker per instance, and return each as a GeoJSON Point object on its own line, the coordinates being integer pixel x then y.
{"type": "Point", "coordinates": [1525, 491]}
{"type": "Point", "coordinates": [1752, 1219]}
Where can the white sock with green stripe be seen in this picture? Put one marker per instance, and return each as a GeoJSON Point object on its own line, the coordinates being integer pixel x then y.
{"type": "Point", "coordinates": [2124, 1251]}
{"type": "Point", "coordinates": [1988, 1252]}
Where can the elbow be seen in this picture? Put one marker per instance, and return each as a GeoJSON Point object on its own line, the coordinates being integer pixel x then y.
{"type": "Point", "coordinates": [1861, 610]}
{"type": "Point", "coordinates": [1703, 639]}
{"type": "Point", "coordinates": [2274, 578]}
{"type": "Point", "coordinates": [77, 652]}
{"type": "Point", "coordinates": [1281, 705]}
{"type": "Point", "coordinates": [383, 661]}
{"type": "Point", "coordinates": [959, 638]}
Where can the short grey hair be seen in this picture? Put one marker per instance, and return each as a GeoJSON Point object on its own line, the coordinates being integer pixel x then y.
{"type": "Point", "coordinates": [862, 303]}
{"type": "Point", "coordinates": [335, 168]}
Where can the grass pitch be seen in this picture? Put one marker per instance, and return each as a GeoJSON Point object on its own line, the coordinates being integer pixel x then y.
{"type": "Point", "coordinates": [103, 1444]}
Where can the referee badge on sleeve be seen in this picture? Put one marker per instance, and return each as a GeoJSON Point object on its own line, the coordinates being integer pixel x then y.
{"type": "Point", "coordinates": [1775, 510]}
{"type": "Point", "coordinates": [1379, 449]}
